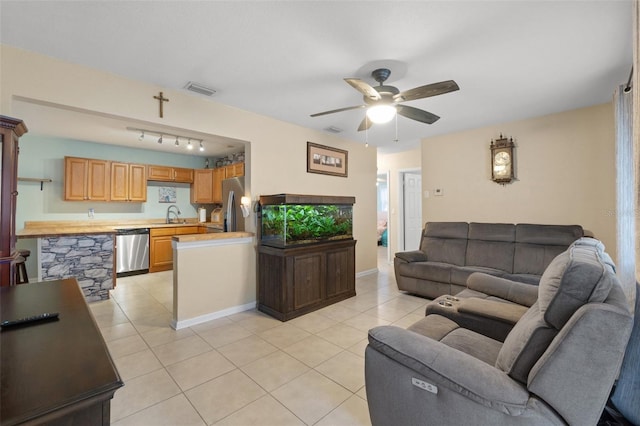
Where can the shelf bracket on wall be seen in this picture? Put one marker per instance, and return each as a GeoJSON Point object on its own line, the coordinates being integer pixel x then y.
{"type": "Point", "coordinates": [42, 181]}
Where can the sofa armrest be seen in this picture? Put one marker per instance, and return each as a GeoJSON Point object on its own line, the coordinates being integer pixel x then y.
{"type": "Point", "coordinates": [450, 368]}
{"type": "Point", "coordinates": [509, 313]}
{"type": "Point", "coordinates": [412, 256]}
{"type": "Point", "coordinates": [520, 293]}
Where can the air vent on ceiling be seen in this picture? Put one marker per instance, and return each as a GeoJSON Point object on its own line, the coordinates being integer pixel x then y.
{"type": "Point", "coordinates": [200, 88]}
{"type": "Point", "coordinates": [333, 129]}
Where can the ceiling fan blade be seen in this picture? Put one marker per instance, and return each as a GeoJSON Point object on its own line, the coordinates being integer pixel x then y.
{"type": "Point", "coordinates": [337, 110]}
{"type": "Point", "coordinates": [427, 91]}
{"type": "Point", "coordinates": [364, 88]}
{"type": "Point", "coordinates": [365, 124]}
{"type": "Point", "coordinates": [417, 114]}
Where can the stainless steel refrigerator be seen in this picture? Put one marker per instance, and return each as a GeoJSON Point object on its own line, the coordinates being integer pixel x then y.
{"type": "Point", "coordinates": [232, 193]}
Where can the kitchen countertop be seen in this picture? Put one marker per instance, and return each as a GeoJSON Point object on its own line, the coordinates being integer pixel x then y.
{"type": "Point", "coordinates": [80, 227]}
{"type": "Point", "coordinates": [213, 236]}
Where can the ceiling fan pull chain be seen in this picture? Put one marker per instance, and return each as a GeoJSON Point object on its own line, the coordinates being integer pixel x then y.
{"type": "Point", "coordinates": [396, 128]}
{"type": "Point", "coordinates": [366, 131]}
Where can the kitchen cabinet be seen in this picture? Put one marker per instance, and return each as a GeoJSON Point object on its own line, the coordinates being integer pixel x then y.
{"type": "Point", "coordinates": [10, 131]}
{"type": "Point", "coordinates": [86, 179]}
{"type": "Point", "coordinates": [202, 186]}
{"type": "Point", "coordinates": [218, 177]}
{"type": "Point", "coordinates": [128, 182]}
{"type": "Point", "coordinates": [169, 174]}
{"type": "Point", "coordinates": [160, 249]}
{"type": "Point", "coordinates": [233, 170]}
{"type": "Point", "coordinates": [296, 281]}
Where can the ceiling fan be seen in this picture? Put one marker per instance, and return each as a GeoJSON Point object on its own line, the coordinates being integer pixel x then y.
{"type": "Point", "coordinates": [383, 102]}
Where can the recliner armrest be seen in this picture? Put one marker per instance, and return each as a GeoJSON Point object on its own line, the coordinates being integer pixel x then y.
{"type": "Point", "coordinates": [412, 256]}
{"type": "Point", "coordinates": [508, 313]}
{"type": "Point", "coordinates": [450, 368]}
{"type": "Point", "coordinates": [520, 293]}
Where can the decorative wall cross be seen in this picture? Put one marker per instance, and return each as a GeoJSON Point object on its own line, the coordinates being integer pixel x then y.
{"type": "Point", "coordinates": [161, 99]}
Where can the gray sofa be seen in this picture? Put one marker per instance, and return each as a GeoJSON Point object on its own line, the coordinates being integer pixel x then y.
{"type": "Point", "coordinates": [556, 366]}
{"type": "Point", "coordinates": [451, 251]}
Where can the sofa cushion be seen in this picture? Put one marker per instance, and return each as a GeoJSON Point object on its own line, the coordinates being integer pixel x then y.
{"type": "Point", "coordinates": [534, 258]}
{"type": "Point", "coordinates": [490, 254]}
{"type": "Point", "coordinates": [460, 274]}
{"type": "Point", "coordinates": [505, 232]}
{"type": "Point", "coordinates": [433, 271]}
{"type": "Point", "coordinates": [445, 242]}
{"type": "Point", "coordinates": [580, 275]}
{"type": "Point", "coordinates": [557, 235]}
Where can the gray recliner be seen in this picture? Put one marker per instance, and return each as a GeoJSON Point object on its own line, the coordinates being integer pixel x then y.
{"type": "Point", "coordinates": [556, 366]}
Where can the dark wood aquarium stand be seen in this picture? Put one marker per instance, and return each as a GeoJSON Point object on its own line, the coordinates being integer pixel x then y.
{"type": "Point", "coordinates": [299, 280]}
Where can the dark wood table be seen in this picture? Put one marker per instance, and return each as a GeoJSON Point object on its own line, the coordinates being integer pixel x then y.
{"type": "Point", "coordinates": [57, 372]}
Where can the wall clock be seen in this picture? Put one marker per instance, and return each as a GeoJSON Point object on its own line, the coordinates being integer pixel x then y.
{"type": "Point", "coordinates": [502, 164]}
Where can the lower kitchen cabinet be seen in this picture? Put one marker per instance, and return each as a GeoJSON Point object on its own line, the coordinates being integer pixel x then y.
{"type": "Point", "coordinates": [296, 281]}
{"type": "Point", "coordinates": [160, 249]}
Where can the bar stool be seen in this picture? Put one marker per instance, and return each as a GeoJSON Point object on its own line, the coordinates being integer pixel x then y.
{"type": "Point", "coordinates": [21, 268]}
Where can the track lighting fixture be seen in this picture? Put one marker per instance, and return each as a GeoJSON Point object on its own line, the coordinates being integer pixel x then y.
{"type": "Point", "coordinates": [145, 132]}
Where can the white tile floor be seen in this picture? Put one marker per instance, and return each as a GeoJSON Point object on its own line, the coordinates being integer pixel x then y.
{"type": "Point", "coordinates": [247, 368]}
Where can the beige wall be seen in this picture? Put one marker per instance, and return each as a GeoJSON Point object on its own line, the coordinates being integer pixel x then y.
{"type": "Point", "coordinates": [565, 168]}
{"type": "Point", "coordinates": [394, 164]}
{"type": "Point", "coordinates": [277, 152]}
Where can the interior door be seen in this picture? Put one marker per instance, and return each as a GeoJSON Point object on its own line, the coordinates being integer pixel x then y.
{"type": "Point", "coordinates": [412, 190]}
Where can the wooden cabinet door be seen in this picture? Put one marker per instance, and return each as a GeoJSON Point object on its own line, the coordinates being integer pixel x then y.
{"type": "Point", "coordinates": [119, 182]}
{"type": "Point", "coordinates": [183, 175]}
{"type": "Point", "coordinates": [98, 180]}
{"type": "Point", "coordinates": [128, 182]}
{"type": "Point", "coordinates": [137, 183]}
{"type": "Point", "coordinates": [340, 271]}
{"type": "Point", "coordinates": [233, 170]}
{"type": "Point", "coordinates": [160, 173]}
{"type": "Point", "coordinates": [308, 279]}
{"type": "Point", "coordinates": [202, 186]}
{"type": "Point", "coordinates": [218, 176]}
{"type": "Point", "coordinates": [75, 178]}
{"type": "Point", "coordinates": [160, 254]}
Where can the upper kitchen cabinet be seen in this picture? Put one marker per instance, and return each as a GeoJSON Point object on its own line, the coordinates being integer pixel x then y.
{"type": "Point", "coordinates": [218, 177]}
{"type": "Point", "coordinates": [169, 174]}
{"type": "Point", "coordinates": [86, 179]}
{"type": "Point", "coordinates": [128, 182]}
{"type": "Point", "coordinates": [234, 170]}
{"type": "Point", "coordinates": [202, 186]}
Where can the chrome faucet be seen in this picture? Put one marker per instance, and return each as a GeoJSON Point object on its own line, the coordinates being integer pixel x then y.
{"type": "Point", "coordinates": [169, 211]}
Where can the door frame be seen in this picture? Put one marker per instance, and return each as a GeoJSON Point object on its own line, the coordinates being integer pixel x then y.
{"type": "Point", "coordinates": [388, 175]}
{"type": "Point", "coordinates": [400, 188]}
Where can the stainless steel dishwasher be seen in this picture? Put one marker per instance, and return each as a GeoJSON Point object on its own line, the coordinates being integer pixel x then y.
{"type": "Point", "coordinates": [132, 252]}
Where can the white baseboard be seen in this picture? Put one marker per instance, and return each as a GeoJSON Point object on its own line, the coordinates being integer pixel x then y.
{"type": "Point", "coordinates": [367, 272]}
{"type": "Point", "coordinates": [177, 325]}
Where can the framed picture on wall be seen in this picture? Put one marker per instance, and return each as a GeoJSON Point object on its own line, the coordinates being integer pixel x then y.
{"type": "Point", "coordinates": [327, 160]}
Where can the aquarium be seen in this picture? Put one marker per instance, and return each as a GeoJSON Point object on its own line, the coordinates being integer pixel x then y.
{"type": "Point", "coordinates": [291, 220]}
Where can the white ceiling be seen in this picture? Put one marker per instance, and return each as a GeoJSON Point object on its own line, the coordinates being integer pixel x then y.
{"type": "Point", "coordinates": [287, 59]}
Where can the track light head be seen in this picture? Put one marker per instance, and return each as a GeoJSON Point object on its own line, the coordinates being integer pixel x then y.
{"type": "Point", "coordinates": [189, 146]}
{"type": "Point", "coordinates": [201, 147]}
{"type": "Point", "coordinates": [160, 140]}
{"type": "Point", "coordinates": [177, 143]}
{"type": "Point", "coordinates": [141, 137]}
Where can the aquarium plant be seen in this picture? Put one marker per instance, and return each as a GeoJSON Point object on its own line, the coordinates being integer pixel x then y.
{"type": "Point", "coordinates": [306, 223]}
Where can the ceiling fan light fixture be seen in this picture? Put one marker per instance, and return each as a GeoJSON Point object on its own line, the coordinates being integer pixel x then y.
{"type": "Point", "coordinates": [381, 113]}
